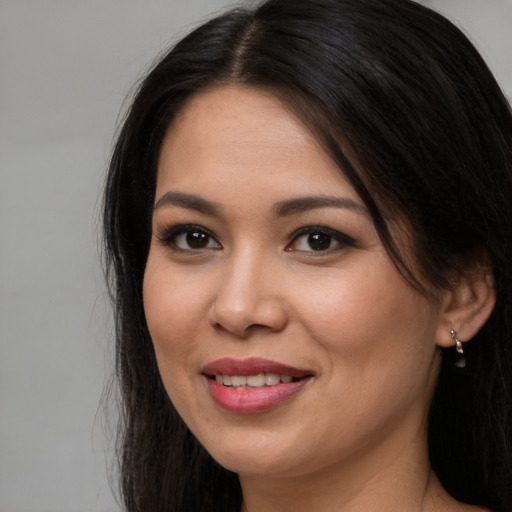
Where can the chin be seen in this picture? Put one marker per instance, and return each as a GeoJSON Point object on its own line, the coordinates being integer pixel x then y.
{"type": "Point", "coordinates": [254, 465]}
{"type": "Point", "coordinates": [253, 455]}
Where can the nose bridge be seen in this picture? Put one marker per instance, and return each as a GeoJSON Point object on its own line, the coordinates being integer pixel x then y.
{"type": "Point", "coordinates": [246, 295]}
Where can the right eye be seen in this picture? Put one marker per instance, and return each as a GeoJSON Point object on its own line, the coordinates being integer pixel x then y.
{"type": "Point", "coordinates": [189, 238]}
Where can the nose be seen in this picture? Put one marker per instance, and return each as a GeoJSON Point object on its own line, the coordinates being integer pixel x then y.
{"type": "Point", "coordinates": [248, 298]}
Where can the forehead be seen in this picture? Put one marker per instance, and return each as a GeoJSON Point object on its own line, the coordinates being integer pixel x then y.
{"type": "Point", "coordinates": [249, 109]}
{"type": "Point", "coordinates": [234, 132]}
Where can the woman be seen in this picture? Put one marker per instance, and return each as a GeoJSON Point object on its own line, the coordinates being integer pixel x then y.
{"type": "Point", "coordinates": [308, 235]}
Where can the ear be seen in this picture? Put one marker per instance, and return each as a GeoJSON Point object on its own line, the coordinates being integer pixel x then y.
{"type": "Point", "coordinates": [466, 307]}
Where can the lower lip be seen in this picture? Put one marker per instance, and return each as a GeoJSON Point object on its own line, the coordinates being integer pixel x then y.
{"type": "Point", "coordinates": [249, 401]}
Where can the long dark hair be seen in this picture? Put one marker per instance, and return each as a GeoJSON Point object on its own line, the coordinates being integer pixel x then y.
{"type": "Point", "coordinates": [432, 135]}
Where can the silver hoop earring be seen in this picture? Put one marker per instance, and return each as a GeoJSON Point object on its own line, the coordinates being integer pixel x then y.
{"type": "Point", "coordinates": [458, 343]}
{"type": "Point", "coordinates": [461, 361]}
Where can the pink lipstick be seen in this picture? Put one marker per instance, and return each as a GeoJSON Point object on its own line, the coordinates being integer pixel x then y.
{"type": "Point", "coordinates": [253, 385]}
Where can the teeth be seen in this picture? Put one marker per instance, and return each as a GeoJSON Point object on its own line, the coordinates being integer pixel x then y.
{"type": "Point", "coordinates": [256, 381]}
{"type": "Point", "coordinates": [238, 381]}
{"type": "Point", "coordinates": [223, 379]}
{"type": "Point", "coordinates": [253, 381]}
{"type": "Point", "coordinates": [271, 379]}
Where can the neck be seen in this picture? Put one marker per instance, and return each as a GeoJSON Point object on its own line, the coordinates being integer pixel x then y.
{"type": "Point", "coordinates": [394, 477]}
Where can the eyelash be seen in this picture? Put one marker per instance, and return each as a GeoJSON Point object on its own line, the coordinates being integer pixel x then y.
{"type": "Point", "coordinates": [169, 236]}
{"type": "Point", "coordinates": [341, 239]}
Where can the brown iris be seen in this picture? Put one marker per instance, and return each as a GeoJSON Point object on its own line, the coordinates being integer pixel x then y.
{"type": "Point", "coordinates": [319, 241]}
{"type": "Point", "coordinates": [197, 239]}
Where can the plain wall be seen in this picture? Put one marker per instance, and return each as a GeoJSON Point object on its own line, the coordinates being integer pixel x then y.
{"type": "Point", "coordinates": [65, 68]}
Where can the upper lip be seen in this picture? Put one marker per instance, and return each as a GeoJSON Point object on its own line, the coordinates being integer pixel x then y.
{"type": "Point", "coordinates": [251, 366]}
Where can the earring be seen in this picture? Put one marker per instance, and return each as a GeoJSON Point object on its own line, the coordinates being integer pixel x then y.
{"type": "Point", "coordinates": [461, 362]}
{"type": "Point", "coordinates": [458, 343]}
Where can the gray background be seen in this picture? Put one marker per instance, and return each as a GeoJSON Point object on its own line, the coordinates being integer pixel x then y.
{"type": "Point", "coordinates": [65, 68]}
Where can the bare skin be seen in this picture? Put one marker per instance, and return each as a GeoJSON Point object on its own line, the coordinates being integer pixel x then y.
{"type": "Point", "coordinates": [424, 494]}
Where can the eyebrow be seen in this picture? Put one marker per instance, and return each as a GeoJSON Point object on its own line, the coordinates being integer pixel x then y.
{"type": "Point", "coordinates": [304, 204]}
{"type": "Point", "coordinates": [280, 209]}
{"type": "Point", "coordinates": [189, 201]}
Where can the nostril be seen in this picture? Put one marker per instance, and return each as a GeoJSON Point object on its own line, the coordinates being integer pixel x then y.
{"type": "Point", "coordinates": [243, 312]}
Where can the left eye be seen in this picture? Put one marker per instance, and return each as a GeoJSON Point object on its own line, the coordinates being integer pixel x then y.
{"type": "Point", "coordinates": [318, 240]}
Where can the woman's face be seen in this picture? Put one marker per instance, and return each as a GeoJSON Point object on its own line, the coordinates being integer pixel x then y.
{"type": "Point", "coordinates": [285, 337]}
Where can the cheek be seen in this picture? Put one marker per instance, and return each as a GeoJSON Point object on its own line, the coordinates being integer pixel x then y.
{"type": "Point", "coordinates": [172, 310]}
{"type": "Point", "coordinates": [377, 337]}
{"type": "Point", "coordinates": [369, 314]}
{"type": "Point", "coordinates": [172, 315]}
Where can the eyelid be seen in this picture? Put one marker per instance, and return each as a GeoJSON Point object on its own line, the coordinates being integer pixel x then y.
{"type": "Point", "coordinates": [340, 237]}
{"type": "Point", "coordinates": [166, 235]}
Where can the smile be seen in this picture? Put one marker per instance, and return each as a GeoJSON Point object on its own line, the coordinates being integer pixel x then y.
{"type": "Point", "coordinates": [257, 381]}
{"type": "Point", "coordinates": [253, 385]}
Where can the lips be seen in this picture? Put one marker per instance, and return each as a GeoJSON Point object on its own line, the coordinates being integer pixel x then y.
{"type": "Point", "coordinates": [253, 385]}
